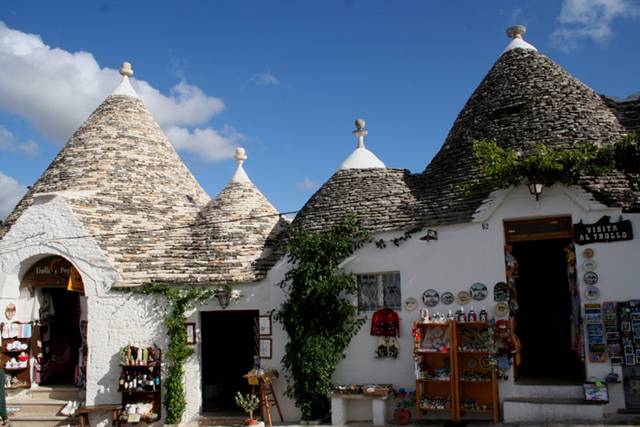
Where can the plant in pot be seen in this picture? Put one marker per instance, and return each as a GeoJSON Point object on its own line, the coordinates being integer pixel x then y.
{"type": "Point", "coordinates": [404, 401]}
{"type": "Point", "coordinates": [249, 403]}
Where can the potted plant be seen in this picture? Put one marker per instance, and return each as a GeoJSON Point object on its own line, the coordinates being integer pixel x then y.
{"type": "Point", "coordinates": [249, 403]}
{"type": "Point", "coordinates": [404, 401]}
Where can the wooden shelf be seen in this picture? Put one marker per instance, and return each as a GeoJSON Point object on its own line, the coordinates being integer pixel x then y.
{"type": "Point", "coordinates": [433, 381]}
{"type": "Point", "coordinates": [420, 351]}
{"type": "Point", "coordinates": [147, 372]}
{"type": "Point", "coordinates": [16, 369]}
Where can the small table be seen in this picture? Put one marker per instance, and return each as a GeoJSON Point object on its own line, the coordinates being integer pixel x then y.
{"type": "Point", "coordinates": [339, 408]}
{"type": "Point", "coordinates": [84, 412]}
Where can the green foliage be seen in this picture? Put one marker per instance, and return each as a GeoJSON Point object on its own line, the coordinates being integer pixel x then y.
{"type": "Point", "coordinates": [504, 167]}
{"type": "Point", "coordinates": [179, 300]}
{"type": "Point", "coordinates": [248, 402]}
{"type": "Point", "coordinates": [319, 315]}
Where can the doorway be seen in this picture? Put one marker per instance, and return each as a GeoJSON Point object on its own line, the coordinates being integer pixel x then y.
{"type": "Point", "coordinates": [229, 348]}
{"type": "Point", "coordinates": [544, 286]}
{"type": "Point", "coordinates": [60, 336]}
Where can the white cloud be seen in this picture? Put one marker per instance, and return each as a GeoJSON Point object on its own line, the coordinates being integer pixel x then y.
{"type": "Point", "coordinates": [590, 20]}
{"type": "Point", "coordinates": [208, 144]}
{"type": "Point", "coordinates": [265, 79]}
{"type": "Point", "coordinates": [307, 184]}
{"type": "Point", "coordinates": [55, 90]}
{"type": "Point", "coordinates": [10, 193]}
{"type": "Point", "coordinates": [8, 142]}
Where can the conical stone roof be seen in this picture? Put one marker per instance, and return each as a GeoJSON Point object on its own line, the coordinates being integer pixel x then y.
{"type": "Point", "coordinates": [125, 182]}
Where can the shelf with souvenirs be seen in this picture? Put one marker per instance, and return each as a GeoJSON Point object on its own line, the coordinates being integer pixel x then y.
{"type": "Point", "coordinates": [15, 358]}
{"type": "Point", "coordinates": [476, 380]}
{"type": "Point", "coordinates": [140, 384]}
{"type": "Point", "coordinates": [434, 367]}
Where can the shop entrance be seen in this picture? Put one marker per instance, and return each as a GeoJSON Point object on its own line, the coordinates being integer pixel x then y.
{"type": "Point", "coordinates": [544, 286]}
{"type": "Point", "coordinates": [229, 345]}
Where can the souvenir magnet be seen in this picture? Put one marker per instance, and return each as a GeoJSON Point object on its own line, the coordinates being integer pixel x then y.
{"type": "Point", "coordinates": [587, 253]}
{"type": "Point", "coordinates": [447, 298]}
{"type": "Point", "coordinates": [410, 304]}
{"type": "Point", "coordinates": [590, 278]}
{"type": "Point", "coordinates": [589, 265]}
{"type": "Point", "coordinates": [430, 298]}
{"type": "Point", "coordinates": [501, 292]}
{"type": "Point", "coordinates": [502, 309]}
{"type": "Point", "coordinates": [478, 291]}
{"type": "Point", "coordinates": [463, 297]}
{"type": "Point", "coordinates": [592, 293]}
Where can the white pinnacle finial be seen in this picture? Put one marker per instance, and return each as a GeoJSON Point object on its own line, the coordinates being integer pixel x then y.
{"type": "Point", "coordinates": [240, 175]}
{"type": "Point", "coordinates": [515, 33]}
{"type": "Point", "coordinates": [126, 70]}
{"type": "Point", "coordinates": [360, 132]}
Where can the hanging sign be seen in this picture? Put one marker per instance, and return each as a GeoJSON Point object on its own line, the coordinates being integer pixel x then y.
{"type": "Point", "coordinates": [602, 231]}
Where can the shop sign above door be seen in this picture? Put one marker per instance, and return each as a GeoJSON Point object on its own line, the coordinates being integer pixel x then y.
{"type": "Point", "coordinates": [602, 231]}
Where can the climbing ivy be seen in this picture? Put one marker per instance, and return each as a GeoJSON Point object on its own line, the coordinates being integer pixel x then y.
{"type": "Point", "coordinates": [318, 315]}
{"type": "Point", "coordinates": [178, 301]}
{"type": "Point", "coordinates": [504, 167]}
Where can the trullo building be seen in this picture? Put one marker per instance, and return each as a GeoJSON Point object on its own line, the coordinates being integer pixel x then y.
{"type": "Point", "coordinates": [554, 266]}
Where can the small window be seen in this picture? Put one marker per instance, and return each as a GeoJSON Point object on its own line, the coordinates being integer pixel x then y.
{"type": "Point", "coordinates": [378, 290]}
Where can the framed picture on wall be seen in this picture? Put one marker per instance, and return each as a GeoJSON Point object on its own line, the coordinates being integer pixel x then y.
{"type": "Point", "coordinates": [264, 325]}
{"type": "Point", "coordinates": [191, 333]}
{"type": "Point", "coordinates": [265, 348]}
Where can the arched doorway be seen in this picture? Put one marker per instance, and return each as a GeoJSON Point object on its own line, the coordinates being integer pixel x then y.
{"type": "Point", "coordinates": [59, 309]}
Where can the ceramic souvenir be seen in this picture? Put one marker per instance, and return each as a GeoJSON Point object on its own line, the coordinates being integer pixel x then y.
{"type": "Point", "coordinates": [501, 292]}
{"type": "Point", "coordinates": [472, 363]}
{"type": "Point", "coordinates": [592, 293]}
{"type": "Point", "coordinates": [10, 311]}
{"type": "Point", "coordinates": [430, 298]}
{"type": "Point", "coordinates": [447, 298]}
{"type": "Point", "coordinates": [424, 315]}
{"type": "Point", "coordinates": [478, 291]}
{"type": "Point", "coordinates": [590, 278]}
{"type": "Point", "coordinates": [502, 309]}
{"type": "Point", "coordinates": [485, 362]}
{"type": "Point", "coordinates": [587, 253]}
{"type": "Point", "coordinates": [410, 304]}
{"type": "Point", "coordinates": [589, 265]}
{"type": "Point", "coordinates": [463, 297]}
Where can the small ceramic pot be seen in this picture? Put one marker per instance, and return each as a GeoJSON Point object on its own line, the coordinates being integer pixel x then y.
{"type": "Point", "coordinates": [402, 417]}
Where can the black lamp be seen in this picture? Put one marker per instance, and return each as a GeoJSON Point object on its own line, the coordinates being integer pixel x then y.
{"type": "Point", "coordinates": [535, 188]}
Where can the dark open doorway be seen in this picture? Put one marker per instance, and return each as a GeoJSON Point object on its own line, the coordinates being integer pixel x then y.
{"type": "Point", "coordinates": [60, 336]}
{"type": "Point", "coordinates": [543, 320]}
{"type": "Point", "coordinates": [229, 344]}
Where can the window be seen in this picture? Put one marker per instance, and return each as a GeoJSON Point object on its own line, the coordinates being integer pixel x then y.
{"type": "Point", "coordinates": [378, 290]}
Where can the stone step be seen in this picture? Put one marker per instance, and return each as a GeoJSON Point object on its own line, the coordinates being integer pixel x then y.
{"type": "Point", "coordinates": [215, 421]}
{"type": "Point", "coordinates": [544, 391]}
{"type": "Point", "coordinates": [24, 420]}
{"type": "Point", "coordinates": [549, 409]}
{"type": "Point", "coordinates": [30, 406]}
{"type": "Point", "coordinates": [55, 392]}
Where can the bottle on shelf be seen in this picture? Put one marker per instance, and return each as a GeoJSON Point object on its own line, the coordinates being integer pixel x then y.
{"type": "Point", "coordinates": [483, 315]}
{"type": "Point", "coordinates": [471, 316]}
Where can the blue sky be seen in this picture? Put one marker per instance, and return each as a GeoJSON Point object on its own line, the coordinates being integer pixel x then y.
{"type": "Point", "coordinates": [284, 79]}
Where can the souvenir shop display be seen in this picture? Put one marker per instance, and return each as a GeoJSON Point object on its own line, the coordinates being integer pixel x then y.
{"type": "Point", "coordinates": [463, 297]}
{"type": "Point", "coordinates": [478, 291]}
{"type": "Point", "coordinates": [410, 304]}
{"type": "Point", "coordinates": [140, 384]}
{"type": "Point", "coordinates": [15, 358]}
{"type": "Point", "coordinates": [385, 324]}
{"type": "Point", "coordinates": [595, 333]}
{"type": "Point", "coordinates": [501, 292]}
{"type": "Point", "coordinates": [507, 348]}
{"type": "Point", "coordinates": [455, 370]}
{"type": "Point", "coordinates": [447, 298]}
{"type": "Point", "coordinates": [612, 333]}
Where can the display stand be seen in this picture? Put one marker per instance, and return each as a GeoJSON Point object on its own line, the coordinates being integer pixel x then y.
{"type": "Point", "coordinates": [140, 384]}
{"type": "Point", "coordinates": [15, 359]}
{"type": "Point", "coordinates": [476, 380]}
{"type": "Point", "coordinates": [455, 371]}
{"type": "Point", "coordinates": [435, 369]}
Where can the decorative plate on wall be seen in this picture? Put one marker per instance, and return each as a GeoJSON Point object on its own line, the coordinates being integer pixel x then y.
{"type": "Point", "coordinates": [588, 253]}
{"type": "Point", "coordinates": [447, 298]}
{"type": "Point", "coordinates": [502, 309]}
{"type": "Point", "coordinates": [589, 265]}
{"type": "Point", "coordinates": [501, 292]}
{"type": "Point", "coordinates": [430, 298]}
{"type": "Point", "coordinates": [410, 304]}
{"type": "Point", "coordinates": [485, 362]}
{"type": "Point", "coordinates": [592, 293]}
{"type": "Point", "coordinates": [590, 278]}
{"type": "Point", "coordinates": [463, 297]}
{"type": "Point", "coordinates": [478, 291]}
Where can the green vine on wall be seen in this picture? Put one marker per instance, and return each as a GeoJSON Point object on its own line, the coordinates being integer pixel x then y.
{"type": "Point", "coordinates": [318, 315]}
{"type": "Point", "coordinates": [179, 300]}
{"type": "Point", "coordinates": [504, 167]}
{"type": "Point", "coordinates": [397, 241]}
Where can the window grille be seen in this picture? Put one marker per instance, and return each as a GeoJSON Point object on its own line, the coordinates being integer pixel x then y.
{"type": "Point", "coordinates": [378, 290]}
